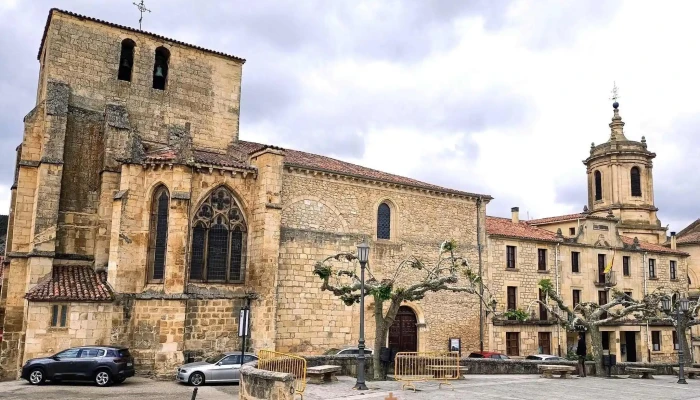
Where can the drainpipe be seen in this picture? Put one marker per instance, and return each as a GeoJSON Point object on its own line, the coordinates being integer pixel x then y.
{"type": "Point", "coordinates": [556, 280]}
{"type": "Point", "coordinates": [481, 281]}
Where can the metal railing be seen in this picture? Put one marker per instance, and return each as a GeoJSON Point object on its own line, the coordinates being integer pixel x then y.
{"type": "Point", "coordinates": [288, 363]}
{"type": "Point", "coordinates": [410, 367]}
{"type": "Point", "coordinates": [607, 280]}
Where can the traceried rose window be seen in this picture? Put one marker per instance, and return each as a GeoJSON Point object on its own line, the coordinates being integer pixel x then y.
{"type": "Point", "coordinates": [218, 240]}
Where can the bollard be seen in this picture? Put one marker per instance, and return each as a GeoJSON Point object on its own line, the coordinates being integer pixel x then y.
{"type": "Point", "coordinates": [194, 394]}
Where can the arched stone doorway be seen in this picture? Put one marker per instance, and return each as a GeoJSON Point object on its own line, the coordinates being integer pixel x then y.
{"type": "Point", "coordinates": [403, 333]}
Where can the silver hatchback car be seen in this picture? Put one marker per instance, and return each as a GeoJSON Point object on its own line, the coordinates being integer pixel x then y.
{"type": "Point", "coordinates": [223, 367]}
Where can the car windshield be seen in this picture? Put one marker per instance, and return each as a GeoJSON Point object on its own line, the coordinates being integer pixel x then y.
{"type": "Point", "coordinates": [215, 359]}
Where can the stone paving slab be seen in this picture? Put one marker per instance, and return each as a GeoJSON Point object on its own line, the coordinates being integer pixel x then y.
{"type": "Point", "coordinates": [514, 387]}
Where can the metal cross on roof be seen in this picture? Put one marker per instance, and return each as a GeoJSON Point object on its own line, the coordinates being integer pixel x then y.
{"type": "Point", "coordinates": [142, 8]}
{"type": "Point", "coordinates": [615, 95]}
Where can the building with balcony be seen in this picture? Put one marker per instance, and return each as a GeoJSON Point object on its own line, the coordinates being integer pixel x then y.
{"type": "Point", "coordinates": [618, 225]}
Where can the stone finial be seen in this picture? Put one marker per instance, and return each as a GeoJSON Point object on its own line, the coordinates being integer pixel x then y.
{"type": "Point", "coordinates": [592, 145]}
{"type": "Point", "coordinates": [610, 214]}
{"type": "Point", "coordinates": [616, 126]}
{"type": "Point", "coordinates": [585, 209]}
{"type": "Point", "coordinates": [559, 233]}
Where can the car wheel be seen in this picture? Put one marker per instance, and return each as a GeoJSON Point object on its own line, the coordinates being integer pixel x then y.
{"type": "Point", "coordinates": [197, 379]}
{"type": "Point", "coordinates": [36, 377]}
{"type": "Point", "coordinates": [103, 378]}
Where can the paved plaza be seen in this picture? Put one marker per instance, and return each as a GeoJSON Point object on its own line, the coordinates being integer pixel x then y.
{"type": "Point", "coordinates": [473, 387]}
{"type": "Point", "coordinates": [516, 387]}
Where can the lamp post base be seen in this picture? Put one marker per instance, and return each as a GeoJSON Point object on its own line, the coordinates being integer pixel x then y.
{"type": "Point", "coordinates": [362, 386]}
{"type": "Point", "coordinates": [682, 381]}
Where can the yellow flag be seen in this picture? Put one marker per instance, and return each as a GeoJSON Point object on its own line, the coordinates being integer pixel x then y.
{"type": "Point", "coordinates": [608, 268]}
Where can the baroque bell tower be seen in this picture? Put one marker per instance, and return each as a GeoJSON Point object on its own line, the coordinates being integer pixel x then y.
{"type": "Point", "coordinates": [620, 182]}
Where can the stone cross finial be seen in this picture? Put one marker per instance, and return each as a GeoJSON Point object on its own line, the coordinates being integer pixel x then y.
{"type": "Point", "coordinates": [142, 8]}
{"type": "Point", "coordinates": [614, 93]}
{"type": "Point", "coordinates": [616, 126]}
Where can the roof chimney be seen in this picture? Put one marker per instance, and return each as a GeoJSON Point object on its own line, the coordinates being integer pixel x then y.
{"type": "Point", "coordinates": [673, 240]}
{"type": "Point", "coordinates": [514, 213]}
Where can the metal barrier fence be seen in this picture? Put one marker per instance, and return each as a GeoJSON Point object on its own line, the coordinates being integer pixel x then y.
{"type": "Point", "coordinates": [410, 367]}
{"type": "Point", "coordinates": [281, 362]}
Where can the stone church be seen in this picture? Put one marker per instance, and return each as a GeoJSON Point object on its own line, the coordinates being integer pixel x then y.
{"type": "Point", "coordinates": [140, 217]}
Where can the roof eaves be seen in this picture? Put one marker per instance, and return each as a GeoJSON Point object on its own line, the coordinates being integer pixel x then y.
{"type": "Point", "coordinates": [553, 240]}
{"type": "Point", "coordinates": [416, 186]}
{"type": "Point", "coordinates": [48, 21]}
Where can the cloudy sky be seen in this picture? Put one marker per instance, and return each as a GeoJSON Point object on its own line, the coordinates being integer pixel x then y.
{"type": "Point", "coordinates": [491, 96]}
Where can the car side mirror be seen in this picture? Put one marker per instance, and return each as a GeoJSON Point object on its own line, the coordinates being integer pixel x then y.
{"type": "Point", "coordinates": [56, 358]}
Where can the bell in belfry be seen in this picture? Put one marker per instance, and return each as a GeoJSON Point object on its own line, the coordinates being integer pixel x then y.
{"type": "Point", "coordinates": [159, 71]}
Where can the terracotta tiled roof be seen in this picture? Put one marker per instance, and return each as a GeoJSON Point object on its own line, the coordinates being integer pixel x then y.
{"type": "Point", "coordinates": [692, 237]}
{"type": "Point", "coordinates": [72, 283]}
{"type": "Point", "coordinates": [656, 248]}
{"type": "Point", "coordinates": [239, 154]}
{"type": "Point", "coordinates": [692, 227]}
{"type": "Point", "coordinates": [560, 218]}
{"type": "Point", "coordinates": [205, 157]}
{"type": "Point", "coordinates": [161, 154]}
{"type": "Point", "coordinates": [522, 230]}
{"type": "Point", "coordinates": [126, 28]}
{"type": "Point", "coordinates": [317, 162]}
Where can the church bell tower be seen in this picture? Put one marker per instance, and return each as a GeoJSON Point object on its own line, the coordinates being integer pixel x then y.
{"type": "Point", "coordinates": [620, 182]}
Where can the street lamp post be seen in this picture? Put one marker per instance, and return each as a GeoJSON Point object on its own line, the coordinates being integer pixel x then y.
{"type": "Point", "coordinates": [362, 257]}
{"type": "Point", "coordinates": [681, 305]}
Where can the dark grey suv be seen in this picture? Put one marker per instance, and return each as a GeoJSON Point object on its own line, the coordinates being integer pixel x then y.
{"type": "Point", "coordinates": [102, 364]}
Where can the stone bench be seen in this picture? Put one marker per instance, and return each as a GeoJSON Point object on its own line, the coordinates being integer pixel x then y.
{"type": "Point", "coordinates": [691, 373]}
{"type": "Point", "coordinates": [322, 373]}
{"type": "Point", "coordinates": [564, 371]}
{"type": "Point", "coordinates": [640, 373]}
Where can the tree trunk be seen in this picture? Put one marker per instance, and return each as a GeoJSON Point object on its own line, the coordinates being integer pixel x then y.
{"type": "Point", "coordinates": [382, 323]}
{"type": "Point", "coordinates": [597, 349]}
{"type": "Point", "coordinates": [379, 338]}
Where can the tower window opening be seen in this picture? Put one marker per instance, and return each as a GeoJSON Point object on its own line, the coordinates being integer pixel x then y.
{"type": "Point", "coordinates": [160, 68]}
{"type": "Point", "coordinates": [126, 60]}
{"type": "Point", "coordinates": [635, 182]}
{"type": "Point", "coordinates": [598, 185]}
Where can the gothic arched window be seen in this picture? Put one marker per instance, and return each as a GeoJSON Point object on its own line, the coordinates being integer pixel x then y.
{"type": "Point", "coordinates": [160, 68]}
{"type": "Point", "coordinates": [384, 221]}
{"type": "Point", "coordinates": [158, 234]}
{"type": "Point", "coordinates": [598, 185]}
{"type": "Point", "coordinates": [218, 240]}
{"type": "Point", "coordinates": [635, 182]}
{"type": "Point", "coordinates": [126, 60]}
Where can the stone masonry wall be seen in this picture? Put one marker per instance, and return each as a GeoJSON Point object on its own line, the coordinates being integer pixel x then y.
{"type": "Point", "coordinates": [211, 327]}
{"type": "Point", "coordinates": [202, 89]}
{"type": "Point", "coordinates": [87, 324]}
{"type": "Point", "coordinates": [420, 223]}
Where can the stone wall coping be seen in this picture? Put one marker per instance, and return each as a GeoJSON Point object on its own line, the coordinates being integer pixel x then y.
{"type": "Point", "coordinates": [250, 369]}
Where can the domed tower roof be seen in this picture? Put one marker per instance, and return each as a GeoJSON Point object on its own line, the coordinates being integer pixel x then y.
{"type": "Point", "coordinates": [620, 182]}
